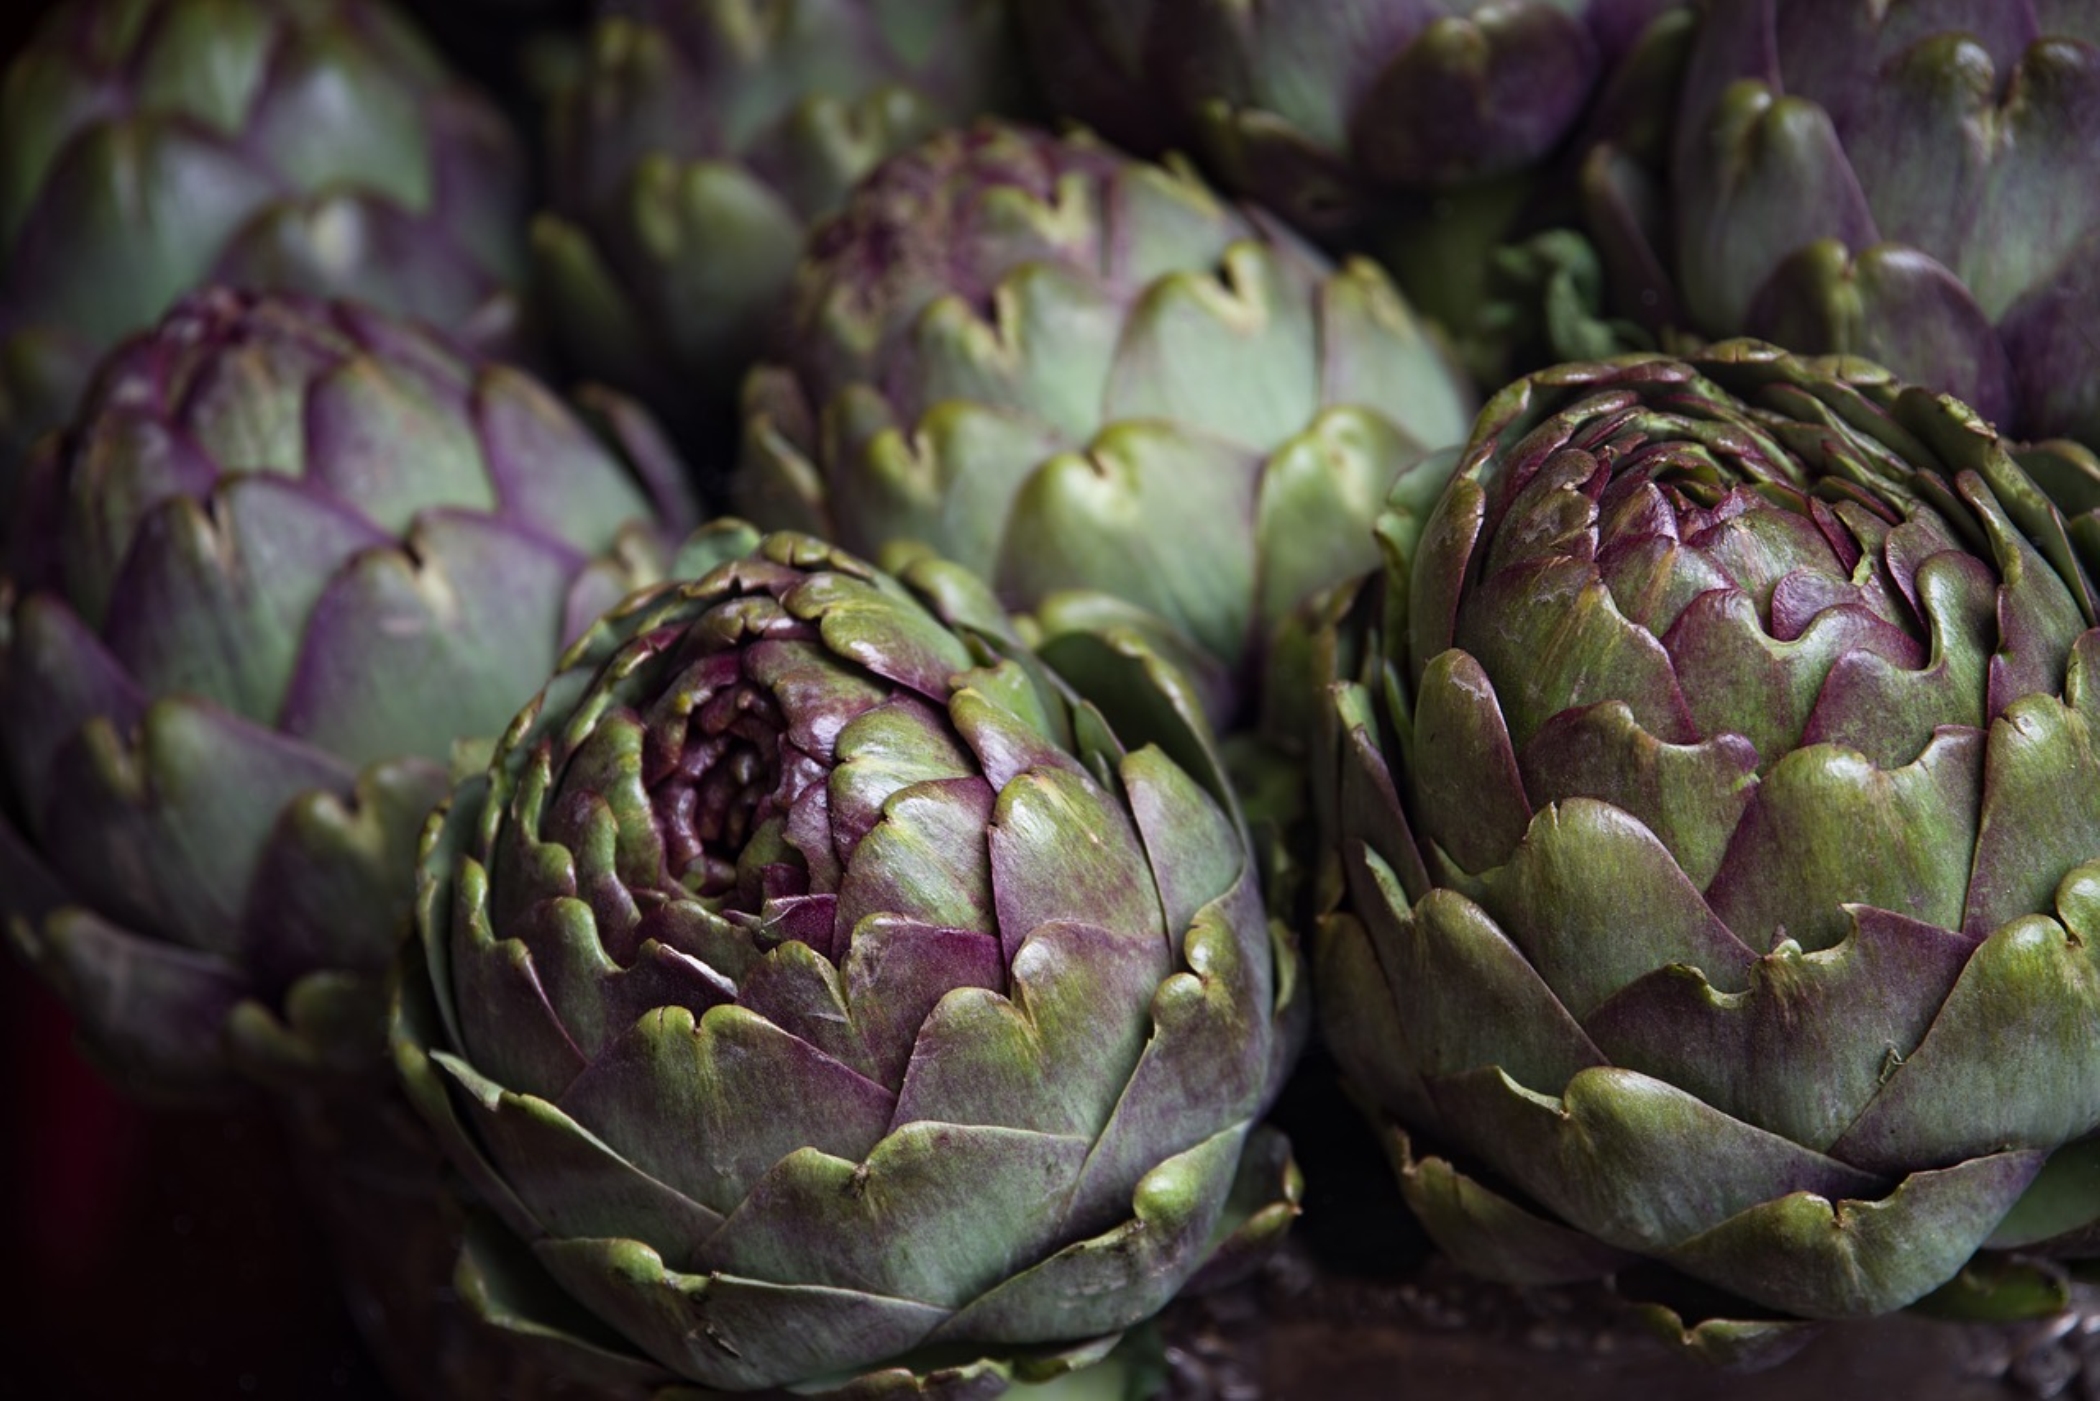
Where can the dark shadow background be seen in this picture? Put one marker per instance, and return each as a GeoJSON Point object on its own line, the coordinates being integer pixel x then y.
{"type": "Point", "coordinates": [152, 1254]}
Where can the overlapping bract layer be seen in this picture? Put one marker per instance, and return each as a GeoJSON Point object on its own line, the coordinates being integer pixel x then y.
{"type": "Point", "coordinates": [1911, 182]}
{"type": "Point", "coordinates": [1072, 371]}
{"type": "Point", "coordinates": [817, 988]}
{"type": "Point", "coordinates": [700, 142]}
{"type": "Point", "coordinates": [317, 146]}
{"type": "Point", "coordinates": [287, 556]}
{"type": "Point", "coordinates": [1324, 111]}
{"type": "Point", "coordinates": [1723, 837]}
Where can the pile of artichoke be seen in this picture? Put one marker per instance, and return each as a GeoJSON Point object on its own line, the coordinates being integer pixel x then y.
{"type": "Point", "coordinates": [771, 669]}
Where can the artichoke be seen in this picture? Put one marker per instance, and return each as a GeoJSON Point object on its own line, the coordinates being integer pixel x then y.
{"type": "Point", "coordinates": [702, 138]}
{"type": "Point", "coordinates": [1076, 373]}
{"type": "Point", "coordinates": [1720, 811]}
{"type": "Point", "coordinates": [309, 145]}
{"type": "Point", "coordinates": [1913, 183]}
{"type": "Point", "coordinates": [287, 555]}
{"type": "Point", "coordinates": [1322, 110]}
{"type": "Point", "coordinates": [822, 993]}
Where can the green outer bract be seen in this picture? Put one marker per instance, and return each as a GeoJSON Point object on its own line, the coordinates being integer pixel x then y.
{"type": "Point", "coordinates": [1720, 814]}
{"type": "Point", "coordinates": [702, 138]}
{"type": "Point", "coordinates": [317, 146]}
{"type": "Point", "coordinates": [288, 556]}
{"type": "Point", "coordinates": [1080, 374]}
{"type": "Point", "coordinates": [821, 993]}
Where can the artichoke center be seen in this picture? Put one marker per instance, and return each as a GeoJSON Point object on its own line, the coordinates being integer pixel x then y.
{"type": "Point", "coordinates": [726, 792]}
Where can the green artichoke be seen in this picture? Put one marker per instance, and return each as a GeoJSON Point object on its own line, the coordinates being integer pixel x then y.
{"type": "Point", "coordinates": [822, 993]}
{"type": "Point", "coordinates": [1720, 811]}
{"type": "Point", "coordinates": [287, 555]}
{"type": "Point", "coordinates": [702, 139]}
{"type": "Point", "coordinates": [307, 145]}
{"type": "Point", "coordinates": [1918, 184]}
{"type": "Point", "coordinates": [1077, 373]}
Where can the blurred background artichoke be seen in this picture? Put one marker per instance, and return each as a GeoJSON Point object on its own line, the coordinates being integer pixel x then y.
{"type": "Point", "coordinates": [289, 554]}
{"type": "Point", "coordinates": [699, 142]}
{"type": "Point", "coordinates": [1092, 380]}
{"type": "Point", "coordinates": [1911, 183]}
{"type": "Point", "coordinates": [320, 146]}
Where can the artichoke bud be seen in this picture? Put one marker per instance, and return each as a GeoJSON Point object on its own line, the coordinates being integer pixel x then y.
{"type": "Point", "coordinates": [1730, 885]}
{"type": "Point", "coordinates": [1078, 374]}
{"type": "Point", "coordinates": [1946, 155]}
{"type": "Point", "coordinates": [701, 142]}
{"type": "Point", "coordinates": [290, 554]}
{"type": "Point", "coordinates": [1327, 113]}
{"type": "Point", "coordinates": [179, 142]}
{"type": "Point", "coordinates": [806, 922]}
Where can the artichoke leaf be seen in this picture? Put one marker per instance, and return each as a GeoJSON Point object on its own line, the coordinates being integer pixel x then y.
{"type": "Point", "coordinates": [1091, 519]}
{"type": "Point", "coordinates": [1692, 797]}
{"type": "Point", "coordinates": [1636, 1162]}
{"type": "Point", "coordinates": [506, 1288]}
{"type": "Point", "coordinates": [1132, 1267]}
{"type": "Point", "coordinates": [2061, 1205]}
{"type": "Point", "coordinates": [1824, 1258]}
{"type": "Point", "coordinates": [1464, 996]}
{"type": "Point", "coordinates": [1595, 901]}
{"type": "Point", "coordinates": [1792, 867]}
{"type": "Point", "coordinates": [673, 1082]}
{"type": "Point", "coordinates": [1467, 787]}
{"type": "Point", "coordinates": [1098, 875]}
{"type": "Point", "coordinates": [1810, 1041]}
{"type": "Point", "coordinates": [1212, 1053]}
{"type": "Point", "coordinates": [565, 1178]}
{"type": "Point", "coordinates": [168, 823]}
{"type": "Point", "coordinates": [2009, 1061]}
{"type": "Point", "coordinates": [1729, 1344]}
{"type": "Point", "coordinates": [898, 971]}
{"type": "Point", "coordinates": [1763, 175]}
{"type": "Point", "coordinates": [936, 1214]}
{"type": "Point", "coordinates": [1487, 1233]}
{"type": "Point", "coordinates": [732, 1333]}
{"type": "Point", "coordinates": [154, 1009]}
{"type": "Point", "coordinates": [1195, 850]}
{"type": "Point", "coordinates": [2041, 811]}
{"type": "Point", "coordinates": [1359, 1022]}
{"type": "Point", "coordinates": [1042, 1058]}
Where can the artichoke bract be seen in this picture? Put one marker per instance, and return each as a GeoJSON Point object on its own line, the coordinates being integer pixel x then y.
{"type": "Point", "coordinates": [1721, 818]}
{"type": "Point", "coordinates": [287, 555]}
{"type": "Point", "coordinates": [701, 140]}
{"type": "Point", "coordinates": [1914, 184]}
{"type": "Point", "coordinates": [821, 992]}
{"type": "Point", "coordinates": [1077, 373]}
{"type": "Point", "coordinates": [316, 146]}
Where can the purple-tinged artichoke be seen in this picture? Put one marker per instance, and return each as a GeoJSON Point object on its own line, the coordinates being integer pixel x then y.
{"type": "Point", "coordinates": [1346, 112]}
{"type": "Point", "coordinates": [1721, 821]}
{"type": "Point", "coordinates": [319, 146]}
{"type": "Point", "coordinates": [701, 140]}
{"type": "Point", "coordinates": [1915, 183]}
{"type": "Point", "coordinates": [287, 556]}
{"type": "Point", "coordinates": [822, 994]}
{"type": "Point", "coordinates": [1081, 374]}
